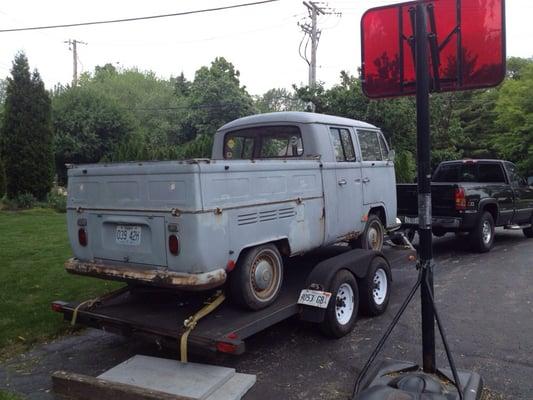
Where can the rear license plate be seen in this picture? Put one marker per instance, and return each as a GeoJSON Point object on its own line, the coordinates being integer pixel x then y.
{"type": "Point", "coordinates": [128, 234]}
{"type": "Point", "coordinates": [409, 220]}
{"type": "Point", "coordinates": [314, 298]}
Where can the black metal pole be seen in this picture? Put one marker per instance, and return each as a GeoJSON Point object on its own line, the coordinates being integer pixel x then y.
{"type": "Point", "coordinates": [424, 188]}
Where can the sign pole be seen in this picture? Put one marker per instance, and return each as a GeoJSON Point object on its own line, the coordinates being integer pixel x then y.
{"type": "Point", "coordinates": [424, 188]}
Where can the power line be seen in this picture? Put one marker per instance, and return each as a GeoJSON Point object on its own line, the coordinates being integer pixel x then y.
{"type": "Point", "coordinates": [112, 21]}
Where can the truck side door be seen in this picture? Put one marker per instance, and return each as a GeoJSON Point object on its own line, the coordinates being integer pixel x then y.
{"type": "Point", "coordinates": [378, 177]}
{"type": "Point", "coordinates": [523, 195]}
{"type": "Point", "coordinates": [349, 207]}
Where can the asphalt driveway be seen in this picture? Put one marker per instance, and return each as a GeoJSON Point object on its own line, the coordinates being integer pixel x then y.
{"type": "Point", "coordinates": [486, 301]}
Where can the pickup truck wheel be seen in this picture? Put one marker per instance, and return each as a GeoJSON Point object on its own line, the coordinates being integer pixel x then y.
{"type": "Point", "coordinates": [528, 232]}
{"type": "Point", "coordinates": [373, 236]}
{"type": "Point", "coordinates": [256, 281]}
{"type": "Point", "coordinates": [343, 306]}
{"type": "Point", "coordinates": [374, 288]}
{"type": "Point", "coordinates": [483, 234]}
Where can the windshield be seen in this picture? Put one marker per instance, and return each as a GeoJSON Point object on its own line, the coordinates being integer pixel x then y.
{"type": "Point", "coordinates": [470, 172]}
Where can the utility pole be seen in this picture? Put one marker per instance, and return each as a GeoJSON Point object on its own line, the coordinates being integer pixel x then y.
{"type": "Point", "coordinates": [72, 45]}
{"type": "Point", "coordinates": [312, 32]}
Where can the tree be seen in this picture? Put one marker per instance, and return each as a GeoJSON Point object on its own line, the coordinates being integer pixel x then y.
{"type": "Point", "coordinates": [278, 99]}
{"type": "Point", "coordinates": [89, 126]}
{"type": "Point", "coordinates": [216, 97]}
{"type": "Point", "coordinates": [513, 139]}
{"type": "Point", "coordinates": [27, 133]}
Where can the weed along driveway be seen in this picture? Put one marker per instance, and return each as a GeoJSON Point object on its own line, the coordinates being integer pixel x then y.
{"type": "Point", "coordinates": [485, 300]}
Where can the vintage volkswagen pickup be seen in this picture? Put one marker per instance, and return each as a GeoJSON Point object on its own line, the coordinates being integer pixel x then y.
{"type": "Point", "coordinates": [278, 184]}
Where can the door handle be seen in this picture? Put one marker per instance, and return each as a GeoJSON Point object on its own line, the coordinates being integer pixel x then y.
{"type": "Point", "coordinates": [366, 180]}
{"type": "Point", "coordinates": [342, 182]}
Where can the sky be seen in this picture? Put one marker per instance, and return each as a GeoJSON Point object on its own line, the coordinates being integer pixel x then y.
{"type": "Point", "coordinates": [261, 41]}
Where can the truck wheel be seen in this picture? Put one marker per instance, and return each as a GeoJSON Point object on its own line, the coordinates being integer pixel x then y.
{"type": "Point", "coordinates": [373, 236]}
{"type": "Point", "coordinates": [343, 306]}
{"type": "Point", "coordinates": [439, 232]}
{"type": "Point", "coordinates": [256, 281]}
{"type": "Point", "coordinates": [374, 288]}
{"type": "Point", "coordinates": [528, 232]}
{"type": "Point", "coordinates": [482, 236]}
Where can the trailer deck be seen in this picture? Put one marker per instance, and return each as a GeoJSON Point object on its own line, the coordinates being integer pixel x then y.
{"type": "Point", "coordinates": [158, 315]}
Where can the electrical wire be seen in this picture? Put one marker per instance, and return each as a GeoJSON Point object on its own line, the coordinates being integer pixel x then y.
{"type": "Point", "coordinates": [112, 21]}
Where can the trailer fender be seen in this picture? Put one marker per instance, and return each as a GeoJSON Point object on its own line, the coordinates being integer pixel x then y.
{"type": "Point", "coordinates": [356, 261]}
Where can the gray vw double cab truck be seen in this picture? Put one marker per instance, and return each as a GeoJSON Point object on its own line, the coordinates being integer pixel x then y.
{"type": "Point", "coordinates": [278, 184]}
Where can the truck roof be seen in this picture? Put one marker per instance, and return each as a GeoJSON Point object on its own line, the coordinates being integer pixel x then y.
{"type": "Point", "coordinates": [466, 160]}
{"type": "Point", "coordinates": [295, 117]}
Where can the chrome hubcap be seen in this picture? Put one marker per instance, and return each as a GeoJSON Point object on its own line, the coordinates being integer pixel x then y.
{"type": "Point", "coordinates": [486, 232]}
{"type": "Point", "coordinates": [263, 275]}
{"type": "Point", "coordinates": [344, 304]}
{"type": "Point", "coordinates": [379, 291]}
{"type": "Point", "coordinates": [374, 237]}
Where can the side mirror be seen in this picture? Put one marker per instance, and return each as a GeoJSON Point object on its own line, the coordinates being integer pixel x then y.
{"type": "Point", "coordinates": [530, 180]}
{"type": "Point", "coordinates": [392, 155]}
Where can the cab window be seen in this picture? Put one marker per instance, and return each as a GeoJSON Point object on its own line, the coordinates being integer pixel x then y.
{"type": "Point", "coordinates": [342, 144]}
{"type": "Point", "coordinates": [370, 145]}
{"type": "Point", "coordinates": [264, 142]}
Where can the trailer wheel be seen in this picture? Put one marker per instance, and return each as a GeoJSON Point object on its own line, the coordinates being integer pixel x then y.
{"type": "Point", "coordinates": [256, 281]}
{"type": "Point", "coordinates": [374, 288]}
{"type": "Point", "coordinates": [373, 236]}
{"type": "Point", "coordinates": [343, 306]}
{"type": "Point", "coordinates": [482, 236]}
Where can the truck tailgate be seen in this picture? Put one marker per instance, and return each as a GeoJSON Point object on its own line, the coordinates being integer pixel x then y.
{"type": "Point", "coordinates": [442, 199]}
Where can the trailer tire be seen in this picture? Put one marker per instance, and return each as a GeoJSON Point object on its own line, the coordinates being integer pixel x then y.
{"type": "Point", "coordinates": [373, 236]}
{"type": "Point", "coordinates": [257, 279]}
{"type": "Point", "coordinates": [374, 288]}
{"type": "Point", "coordinates": [482, 237]}
{"type": "Point", "coordinates": [343, 306]}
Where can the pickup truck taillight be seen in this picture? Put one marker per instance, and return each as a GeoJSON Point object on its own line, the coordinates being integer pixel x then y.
{"type": "Point", "coordinates": [173, 245]}
{"type": "Point", "coordinates": [460, 199]}
{"type": "Point", "coordinates": [82, 237]}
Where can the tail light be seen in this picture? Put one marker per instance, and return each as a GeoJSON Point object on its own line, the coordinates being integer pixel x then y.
{"type": "Point", "coordinates": [82, 237]}
{"type": "Point", "coordinates": [460, 199]}
{"type": "Point", "coordinates": [57, 307]}
{"type": "Point", "coordinates": [173, 244]}
{"type": "Point", "coordinates": [224, 347]}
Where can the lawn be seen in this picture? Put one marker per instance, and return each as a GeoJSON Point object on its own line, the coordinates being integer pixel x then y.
{"type": "Point", "coordinates": [33, 248]}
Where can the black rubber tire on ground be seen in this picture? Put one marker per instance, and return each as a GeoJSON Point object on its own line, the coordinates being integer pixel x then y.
{"type": "Point", "coordinates": [528, 232]}
{"type": "Point", "coordinates": [479, 239]}
{"type": "Point", "coordinates": [363, 241]}
{"type": "Point", "coordinates": [439, 232]}
{"type": "Point", "coordinates": [331, 326]}
{"type": "Point", "coordinates": [373, 301]}
{"type": "Point", "coordinates": [245, 290]}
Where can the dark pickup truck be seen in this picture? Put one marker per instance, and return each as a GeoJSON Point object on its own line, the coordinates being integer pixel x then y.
{"type": "Point", "coordinates": [472, 196]}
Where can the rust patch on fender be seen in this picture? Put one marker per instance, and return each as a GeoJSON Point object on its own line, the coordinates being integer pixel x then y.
{"type": "Point", "coordinates": [153, 276]}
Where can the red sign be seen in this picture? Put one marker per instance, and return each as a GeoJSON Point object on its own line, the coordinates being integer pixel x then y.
{"type": "Point", "coordinates": [466, 44]}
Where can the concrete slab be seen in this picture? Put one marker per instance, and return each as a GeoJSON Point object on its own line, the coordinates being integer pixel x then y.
{"type": "Point", "coordinates": [195, 381]}
{"type": "Point", "coordinates": [235, 388]}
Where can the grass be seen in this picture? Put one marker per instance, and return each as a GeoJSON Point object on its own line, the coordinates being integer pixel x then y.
{"type": "Point", "coordinates": [9, 396]}
{"type": "Point", "coordinates": [33, 248]}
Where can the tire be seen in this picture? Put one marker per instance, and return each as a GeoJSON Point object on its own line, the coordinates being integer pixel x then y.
{"type": "Point", "coordinates": [343, 306]}
{"type": "Point", "coordinates": [528, 232]}
{"type": "Point", "coordinates": [439, 232]}
{"type": "Point", "coordinates": [256, 281]}
{"type": "Point", "coordinates": [374, 288]}
{"type": "Point", "coordinates": [482, 237]}
{"type": "Point", "coordinates": [373, 236]}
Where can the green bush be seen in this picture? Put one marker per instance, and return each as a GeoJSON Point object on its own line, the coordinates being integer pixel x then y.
{"type": "Point", "coordinates": [2, 179]}
{"type": "Point", "coordinates": [57, 201]}
{"type": "Point", "coordinates": [22, 201]}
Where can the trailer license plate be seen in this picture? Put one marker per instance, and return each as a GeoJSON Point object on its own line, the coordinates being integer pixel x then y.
{"type": "Point", "coordinates": [409, 220]}
{"type": "Point", "coordinates": [314, 298]}
{"type": "Point", "coordinates": [128, 234]}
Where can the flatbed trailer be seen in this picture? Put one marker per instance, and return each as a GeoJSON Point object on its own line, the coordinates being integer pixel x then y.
{"type": "Point", "coordinates": [158, 315]}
